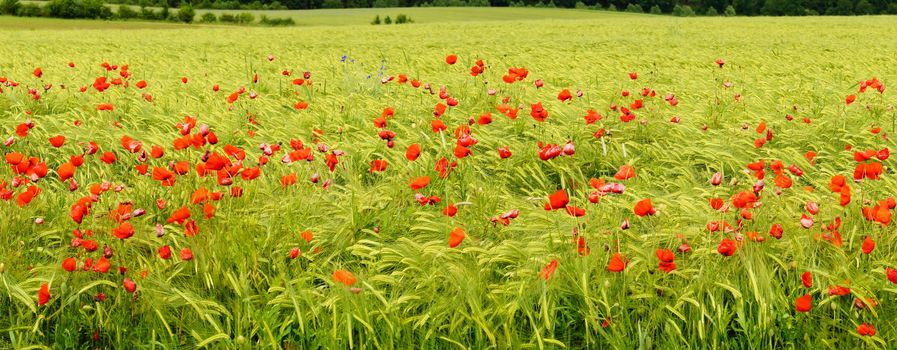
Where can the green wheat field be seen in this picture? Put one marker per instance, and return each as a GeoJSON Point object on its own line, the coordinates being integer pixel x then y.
{"type": "Point", "coordinates": [602, 180]}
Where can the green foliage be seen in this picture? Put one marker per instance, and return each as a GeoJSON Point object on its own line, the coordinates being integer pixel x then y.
{"type": "Point", "coordinates": [10, 7]}
{"type": "Point", "coordinates": [186, 13]}
{"type": "Point", "coordinates": [126, 12]}
{"type": "Point", "coordinates": [387, 20]}
{"type": "Point", "coordinates": [863, 7]}
{"type": "Point", "coordinates": [402, 19]}
{"type": "Point", "coordinates": [227, 18]}
{"type": "Point", "coordinates": [208, 17]}
{"type": "Point", "coordinates": [743, 7]}
{"type": "Point", "coordinates": [150, 15]}
{"type": "Point", "coordinates": [386, 3]}
{"type": "Point", "coordinates": [276, 22]}
{"type": "Point", "coordinates": [376, 20]}
{"type": "Point", "coordinates": [634, 8]}
{"type": "Point", "coordinates": [245, 18]}
{"type": "Point", "coordinates": [730, 11]}
{"type": "Point", "coordinates": [78, 9]}
{"type": "Point", "coordinates": [164, 14]}
{"type": "Point", "coordinates": [332, 4]}
{"type": "Point", "coordinates": [30, 10]}
{"type": "Point", "coordinates": [655, 10]}
{"type": "Point", "coordinates": [711, 11]}
{"type": "Point", "coordinates": [683, 11]}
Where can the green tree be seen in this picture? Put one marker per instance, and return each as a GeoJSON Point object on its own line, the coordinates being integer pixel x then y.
{"type": "Point", "coordinates": [863, 7]}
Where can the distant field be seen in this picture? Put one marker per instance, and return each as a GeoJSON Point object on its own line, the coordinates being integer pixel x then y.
{"type": "Point", "coordinates": [262, 190]}
{"type": "Point", "coordinates": [423, 15]}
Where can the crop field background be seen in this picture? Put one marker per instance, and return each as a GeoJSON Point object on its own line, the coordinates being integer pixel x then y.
{"type": "Point", "coordinates": [280, 251]}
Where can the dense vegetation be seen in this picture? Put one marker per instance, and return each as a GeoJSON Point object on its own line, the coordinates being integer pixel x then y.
{"type": "Point", "coordinates": [700, 7]}
{"type": "Point", "coordinates": [96, 9]}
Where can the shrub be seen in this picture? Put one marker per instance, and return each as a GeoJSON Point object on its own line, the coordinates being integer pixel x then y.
{"type": "Point", "coordinates": [402, 19]}
{"type": "Point", "coordinates": [711, 11]}
{"type": "Point", "coordinates": [245, 18]}
{"type": "Point", "coordinates": [655, 10]}
{"type": "Point", "coordinates": [376, 20]}
{"type": "Point", "coordinates": [208, 17]}
{"type": "Point", "coordinates": [276, 22]}
{"type": "Point", "coordinates": [611, 7]}
{"type": "Point", "coordinates": [387, 20]}
{"type": "Point", "coordinates": [186, 13]}
{"type": "Point", "coordinates": [478, 3]}
{"type": "Point", "coordinates": [227, 18]}
{"type": "Point", "coordinates": [635, 8]}
{"type": "Point", "coordinates": [580, 5]}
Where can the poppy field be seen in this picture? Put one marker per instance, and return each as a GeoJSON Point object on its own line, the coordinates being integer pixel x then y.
{"type": "Point", "coordinates": [626, 181]}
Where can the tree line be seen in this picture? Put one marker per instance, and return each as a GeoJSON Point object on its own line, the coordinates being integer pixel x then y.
{"type": "Point", "coordinates": [700, 7]}
{"type": "Point", "coordinates": [97, 9]}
